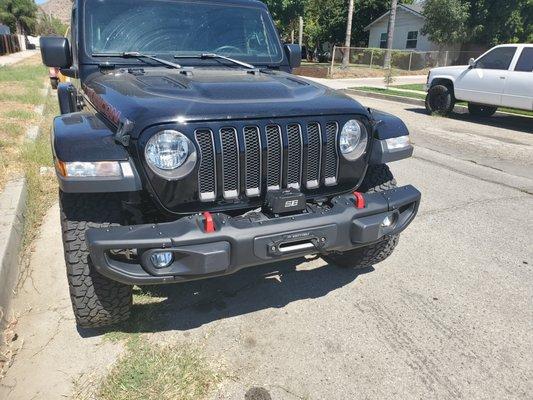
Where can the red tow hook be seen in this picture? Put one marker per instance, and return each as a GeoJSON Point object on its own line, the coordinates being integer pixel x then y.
{"type": "Point", "coordinates": [209, 224]}
{"type": "Point", "coordinates": [359, 200]}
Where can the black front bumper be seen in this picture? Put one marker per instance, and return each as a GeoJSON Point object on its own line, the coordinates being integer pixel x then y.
{"type": "Point", "coordinates": [242, 242]}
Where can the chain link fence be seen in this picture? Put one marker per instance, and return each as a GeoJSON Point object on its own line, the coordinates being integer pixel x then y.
{"type": "Point", "coordinates": [405, 60]}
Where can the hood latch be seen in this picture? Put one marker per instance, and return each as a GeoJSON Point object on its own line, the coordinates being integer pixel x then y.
{"type": "Point", "coordinates": [123, 134]}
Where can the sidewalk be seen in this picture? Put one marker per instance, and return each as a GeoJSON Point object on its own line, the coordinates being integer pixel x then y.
{"type": "Point", "coordinates": [378, 82]}
{"type": "Point", "coordinates": [16, 57]}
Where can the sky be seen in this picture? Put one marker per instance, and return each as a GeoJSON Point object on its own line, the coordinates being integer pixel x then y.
{"type": "Point", "coordinates": [40, 1]}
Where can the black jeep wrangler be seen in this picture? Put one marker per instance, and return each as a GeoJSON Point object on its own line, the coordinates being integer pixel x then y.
{"type": "Point", "coordinates": [187, 150]}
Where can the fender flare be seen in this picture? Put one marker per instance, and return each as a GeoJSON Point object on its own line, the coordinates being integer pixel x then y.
{"type": "Point", "coordinates": [387, 126]}
{"type": "Point", "coordinates": [85, 137]}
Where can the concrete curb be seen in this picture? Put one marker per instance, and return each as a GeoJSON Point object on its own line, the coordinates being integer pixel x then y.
{"type": "Point", "coordinates": [12, 209]}
{"type": "Point", "coordinates": [416, 102]}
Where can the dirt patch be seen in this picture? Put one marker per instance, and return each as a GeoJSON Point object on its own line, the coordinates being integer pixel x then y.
{"type": "Point", "coordinates": [339, 73]}
{"type": "Point", "coordinates": [311, 71]}
{"type": "Point", "coordinates": [13, 88]}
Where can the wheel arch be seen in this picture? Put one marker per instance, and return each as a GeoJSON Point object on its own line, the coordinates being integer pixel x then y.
{"type": "Point", "coordinates": [445, 81]}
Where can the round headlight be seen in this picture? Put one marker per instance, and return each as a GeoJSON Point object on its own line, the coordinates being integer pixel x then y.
{"type": "Point", "coordinates": [353, 140]}
{"type": "Point", "coordinates": [170, 154]}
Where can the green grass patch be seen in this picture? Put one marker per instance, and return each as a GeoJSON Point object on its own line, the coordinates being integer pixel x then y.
{"type": "Point", "coordinates": [156, 372]}
{"type": "Point", "coordinates": [24, 74]}
{"type": "Point", "coordinates": [411, 95]}
{"type": "Point", "coordinates": [29, 96]}
{"type": "Point", "coordinates": [12, 129]}
{"type": "Point", "coordinates": [21, 115]}
{"type": "Point", "coordinates": [411, 86]}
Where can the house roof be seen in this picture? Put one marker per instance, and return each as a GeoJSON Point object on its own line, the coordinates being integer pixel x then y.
{"type": "Point", "coordinates": [415, 9]}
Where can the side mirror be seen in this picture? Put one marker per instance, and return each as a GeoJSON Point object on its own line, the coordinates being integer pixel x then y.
{"type": "Point", "coordinates": [294, 54]}
{"type": "Point", "coordinates": [472, 63]}
{"type": "Point", "coordinates": [55, 52]}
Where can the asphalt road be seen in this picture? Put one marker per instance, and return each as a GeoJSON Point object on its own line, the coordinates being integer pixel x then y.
{"type": "Point", "coordinates": [448, 316]}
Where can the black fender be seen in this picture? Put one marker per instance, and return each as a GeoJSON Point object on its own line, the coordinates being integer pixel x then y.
{"type": "Point", "coordinates": [67, 95]}
{"type": "Point", "coordinates": [387, 126]}
{"type": "Point", "coordinates": [85, 137]}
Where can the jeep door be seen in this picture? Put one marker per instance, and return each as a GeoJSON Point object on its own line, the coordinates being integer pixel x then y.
{"type": "Point", "coordinates": [518, 92]}
{"type": "Point", "coordinates": [484, 83]}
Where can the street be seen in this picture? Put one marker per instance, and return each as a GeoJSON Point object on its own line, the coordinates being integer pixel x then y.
{"type": "Point", "coordinates": [448, 316]}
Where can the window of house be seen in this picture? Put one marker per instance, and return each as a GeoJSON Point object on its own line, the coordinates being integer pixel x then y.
{"type": "Point", "coordinates": [525, 62]}
{"type": "Point", "coordinates": [499, 58]}
{"type": "Point", "coordinates": [412, 40]}
{"type": "Point", "coordinates": [383, 41]}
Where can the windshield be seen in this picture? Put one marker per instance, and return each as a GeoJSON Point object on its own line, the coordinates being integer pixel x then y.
{"type": "Point", "coordinates": [179, 28]}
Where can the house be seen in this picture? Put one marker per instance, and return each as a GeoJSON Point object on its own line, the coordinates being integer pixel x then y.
{"type": "Point", "coordinates": [407, 36]}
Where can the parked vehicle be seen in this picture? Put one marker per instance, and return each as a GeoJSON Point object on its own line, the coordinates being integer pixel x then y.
{"type": "Point", "coordinates": [502, 77]}
{"type": "Point", "coordinates": [186, 150]}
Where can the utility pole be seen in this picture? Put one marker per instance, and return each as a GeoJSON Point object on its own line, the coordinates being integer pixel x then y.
{"type": "Point", "coordinates": [390, 34]}
{"type": "Point", "coordinates": [348, 41]}
{"type": "Point", "coordinates": [301, 32]}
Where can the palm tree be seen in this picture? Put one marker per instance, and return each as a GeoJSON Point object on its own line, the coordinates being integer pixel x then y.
{"type": "Point", "coordinates": [19, 15]}
{"type": "Point", "coordinates": [347, 43]}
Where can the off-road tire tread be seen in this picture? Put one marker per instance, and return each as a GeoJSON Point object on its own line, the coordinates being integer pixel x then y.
{"type": "Point", "coordinates": [378, 178]}
{"type": "Point", "coordinates": [449, 107]}
{"type": "Point", "coordinates": [96, 300]}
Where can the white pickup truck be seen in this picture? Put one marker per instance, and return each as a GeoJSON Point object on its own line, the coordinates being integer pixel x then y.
{"type": "Point", "coordinates": [502, 77]}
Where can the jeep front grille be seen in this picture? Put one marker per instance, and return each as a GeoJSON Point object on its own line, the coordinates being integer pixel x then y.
{"type": "Point", "coordinates": [255, 159]}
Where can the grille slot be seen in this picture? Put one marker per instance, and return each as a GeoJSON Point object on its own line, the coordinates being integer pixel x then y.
{"type": "Point", "coordinates": [230, 162]}
{"type": "Point", "coordinates": [330, 169]}
{"type": "Point", "coordinates": [206, 172]}
{"type": "Point", "coordinates": [314, 155]}
{"type": "Point", "coordinates": [295, 155]}
{"type": "Point", "coordinates": [274, 157]}
{"type": "Point", "coordinates": [252, 148]}
{"type": "Point", "coordinates": [249, 160]}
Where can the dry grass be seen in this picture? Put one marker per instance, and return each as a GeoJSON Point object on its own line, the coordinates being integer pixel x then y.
{"type": "Point", "coordinates": [158, 372]}
{"type": "Point", "coordinates": [20, 86]}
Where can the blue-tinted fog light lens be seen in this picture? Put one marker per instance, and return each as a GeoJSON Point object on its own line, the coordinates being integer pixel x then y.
{"type": "Point", "coordinates": [162, 259]}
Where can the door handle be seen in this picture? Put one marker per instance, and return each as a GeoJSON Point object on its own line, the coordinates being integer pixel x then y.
{"type": "Point", "coordinates": [502, 77]}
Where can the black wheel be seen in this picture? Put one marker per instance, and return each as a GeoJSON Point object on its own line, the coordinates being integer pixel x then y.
{"type": "Point", "coordinates": [440, 100]}
{"type": "Point", "coordinates": [479, 110]}
{"type": "Point", "coordinates": [54, 82]}
{"type": "Point", "coordinates": [378, 179]}
{"type": "Point", "coordinates": [96, 300]}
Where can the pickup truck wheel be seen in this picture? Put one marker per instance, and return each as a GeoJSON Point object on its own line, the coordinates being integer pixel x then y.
{"type": "Point", "coordinates": [97, 301]}
{"type": "Point", "coordinates": [440, 100]}
{"type": "Point", "coordinates": [378, 179]}
{"type": "Point", "coordinates": [479, 110]}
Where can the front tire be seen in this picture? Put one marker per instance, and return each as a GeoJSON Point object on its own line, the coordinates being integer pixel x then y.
{"type": "Point", "coordinates": [440, 100]}
{"type": "Point", "coordinates": [480, 110]}
{"type": "Point", "coordinates": [378, 179]}
{"type": "Point", "coordinates": [96, 300]}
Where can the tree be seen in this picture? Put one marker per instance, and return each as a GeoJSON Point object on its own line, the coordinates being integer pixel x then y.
{"type": "Point", "coordinates": [50, 25]}
{"type": "Point", "coordinates": [494, 22]}
{"type": "Point", "coordinates": [390, 34]}
{"type": "Point", "coordinates": [19, 15]}
{"type": "Point", "coordinates": [347, 42]}
{"type": "Point", "coordinates": [446, 21]}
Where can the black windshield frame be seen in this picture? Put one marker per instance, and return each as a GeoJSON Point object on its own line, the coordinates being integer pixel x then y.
{"type": "Point", "coordinates": [279, 59]}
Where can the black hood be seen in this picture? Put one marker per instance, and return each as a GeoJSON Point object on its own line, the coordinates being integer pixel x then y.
{"type": "Point", "coordinates": [155, 96]}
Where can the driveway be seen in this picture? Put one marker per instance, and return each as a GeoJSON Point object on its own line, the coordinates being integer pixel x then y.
{"type": "Point", "coordinates": [448, 316]}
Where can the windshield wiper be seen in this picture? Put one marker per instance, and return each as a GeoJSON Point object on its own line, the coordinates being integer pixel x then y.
{"type": "Point", "coordinates": [206, 56]}
{"type": "Point", "coordinates": [135, 54]}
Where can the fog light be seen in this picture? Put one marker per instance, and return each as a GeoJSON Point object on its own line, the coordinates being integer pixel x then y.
{"type": "Point", "coordinates": [162, 259]}
{"type": "Point", "coordinates": [388, 221]}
